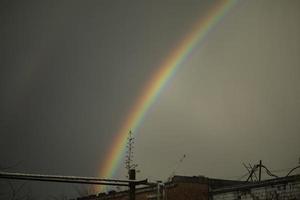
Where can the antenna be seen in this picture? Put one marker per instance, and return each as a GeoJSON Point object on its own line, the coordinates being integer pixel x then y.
{"type": "Point", "coordinates": [130, 166]}
{"type": "Point", "coordinates": [176, 166]}
{"type": "Point", "coordinates": [129, 153]}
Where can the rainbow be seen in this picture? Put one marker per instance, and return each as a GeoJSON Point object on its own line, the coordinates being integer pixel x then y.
{"type": "Point", "coordinates": [155, 85]}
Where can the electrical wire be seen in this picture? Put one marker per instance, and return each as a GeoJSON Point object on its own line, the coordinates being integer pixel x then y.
{"type": "Point", "coordinates": [292, 170]}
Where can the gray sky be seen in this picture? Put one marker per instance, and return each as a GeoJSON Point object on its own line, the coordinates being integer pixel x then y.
{"type": "Point", "coordinates": [71, 70]}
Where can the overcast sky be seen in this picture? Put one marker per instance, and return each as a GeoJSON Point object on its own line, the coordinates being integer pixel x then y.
{"type": "Point", "coordinates": [71, 70]}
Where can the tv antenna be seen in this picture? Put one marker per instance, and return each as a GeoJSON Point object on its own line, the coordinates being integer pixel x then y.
{"type": "Point", "coordinates": [129, 164]}
{"type": "Point", "coordinates": [176, 166]}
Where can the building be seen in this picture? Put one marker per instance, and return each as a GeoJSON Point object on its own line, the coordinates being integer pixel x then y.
{"type": "Point", "coordinates": [285, 188]}
{"type": "Point", "coordinates": [203, 188]}
{"type": "Point", "coordinates": [179, 188]}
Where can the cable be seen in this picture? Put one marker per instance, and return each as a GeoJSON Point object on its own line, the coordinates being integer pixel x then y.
{"type": "Point", "coordinates": [269, 172]}
{"type": "Point", "coordinates": [292, 170]}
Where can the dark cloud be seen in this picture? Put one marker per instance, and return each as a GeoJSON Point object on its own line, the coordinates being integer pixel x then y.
{"type": "Point", "coordinates": [70, 71]}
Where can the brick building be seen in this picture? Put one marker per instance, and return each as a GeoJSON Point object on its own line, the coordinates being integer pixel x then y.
{"type": "Point", "coordinates": [179, 188]}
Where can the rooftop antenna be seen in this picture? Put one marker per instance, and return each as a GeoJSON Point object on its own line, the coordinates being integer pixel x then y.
{"type": "Point", "coordinates": [130, 166]}
{"type": "Point", "coordinates": [176, 166]}
{"type": "Point", "coordinates": [129, 153]}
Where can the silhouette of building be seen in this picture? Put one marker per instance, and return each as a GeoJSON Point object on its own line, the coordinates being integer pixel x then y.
{"type": "Point", "coordinates": [178, 188]}
{"type": "Point", "coordinates": [203, 188]}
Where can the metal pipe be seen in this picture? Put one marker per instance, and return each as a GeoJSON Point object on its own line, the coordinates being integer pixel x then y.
{"type": "Point", "coordinates": [70, 179]}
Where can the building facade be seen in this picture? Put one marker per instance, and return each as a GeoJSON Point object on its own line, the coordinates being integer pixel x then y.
{"type": "Point", "coordinates": [178, 188]}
